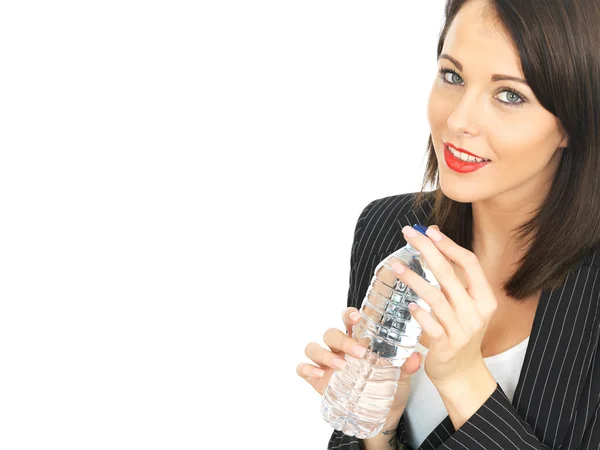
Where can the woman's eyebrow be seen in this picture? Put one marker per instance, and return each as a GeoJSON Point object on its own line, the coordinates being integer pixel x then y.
{"type": "Point", "coordinates": [495, 77]}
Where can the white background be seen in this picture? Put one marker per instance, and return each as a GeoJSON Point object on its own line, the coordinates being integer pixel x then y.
{"type": "Point", "coordinates": [179, 187]}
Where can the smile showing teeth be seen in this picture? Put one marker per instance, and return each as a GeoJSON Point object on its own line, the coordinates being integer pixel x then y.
{"type": "Point", "coordinates": [466, 157]}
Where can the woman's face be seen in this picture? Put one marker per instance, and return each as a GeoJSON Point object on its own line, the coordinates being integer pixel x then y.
{"type": "Point", "coordinates": [500, 120]}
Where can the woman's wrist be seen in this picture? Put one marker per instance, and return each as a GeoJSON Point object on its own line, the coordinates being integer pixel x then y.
{"type": "Point", "coordinates": [395, 414]}
{"type": "Point", "coordinates": [386, 439]}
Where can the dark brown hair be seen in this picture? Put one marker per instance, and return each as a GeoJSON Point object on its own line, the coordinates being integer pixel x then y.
{"type": "Point", "coordinates": [558, 45]}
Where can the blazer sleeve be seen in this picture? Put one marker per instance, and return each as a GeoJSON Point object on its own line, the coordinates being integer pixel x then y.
{"type": "Point", "coordinates": [497, 424]}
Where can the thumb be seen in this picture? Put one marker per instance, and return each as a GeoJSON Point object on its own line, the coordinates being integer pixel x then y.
{"type": "Point", "coordinates": [435, 226]}
{"type": "Point", "coordinates": [411, 365]}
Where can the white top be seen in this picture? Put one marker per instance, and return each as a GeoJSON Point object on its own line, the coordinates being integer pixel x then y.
{"type": "Point", "coordinates": [425, 408]}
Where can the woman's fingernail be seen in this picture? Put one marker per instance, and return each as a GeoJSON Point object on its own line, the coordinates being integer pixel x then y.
{"type": "Point", "coordinates": [434, 234]}
{"type": "Point", "coordinates": [339, 363]}
{"type": "Point", "coordinates": [412, 306]}
{"type": "Point", "coordinates": [318, 373]}
{"type": "Point", "coordinates": [398, 267]}
{"type": "Point", "coordinates": [359, 351]}
{"type": "Point", "coordinates": [355, 316]}
{"type": "Point", "coordinates": [409, 232]}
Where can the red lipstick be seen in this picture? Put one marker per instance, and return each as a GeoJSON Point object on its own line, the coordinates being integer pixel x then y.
{"type": "Point", "coordinates": [457, 164]}
{"type": "Point", "coordinates": [462, 150]}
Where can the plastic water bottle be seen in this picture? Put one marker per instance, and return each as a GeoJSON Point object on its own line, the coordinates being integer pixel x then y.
{"type": "Point", "coordinates": [358, 398]}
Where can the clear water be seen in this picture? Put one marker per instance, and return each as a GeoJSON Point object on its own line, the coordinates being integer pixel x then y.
{"type": "Point", "coordinates": [358, 398]}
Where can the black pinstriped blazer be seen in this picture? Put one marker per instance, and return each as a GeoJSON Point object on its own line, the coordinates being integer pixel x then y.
{"type": "Point", "coordinates": [556, 401]}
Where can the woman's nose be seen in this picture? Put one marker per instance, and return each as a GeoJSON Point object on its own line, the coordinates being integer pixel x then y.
{"type": "Point", "coordinates": [466, 116]}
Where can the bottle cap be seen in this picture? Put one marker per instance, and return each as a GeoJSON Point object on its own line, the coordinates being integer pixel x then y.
{"type": "Point", "coordinates": [421, 228]}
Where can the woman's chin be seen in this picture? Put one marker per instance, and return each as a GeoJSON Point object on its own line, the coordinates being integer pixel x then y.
{"type": "Point", "coordinates": [458, 193]}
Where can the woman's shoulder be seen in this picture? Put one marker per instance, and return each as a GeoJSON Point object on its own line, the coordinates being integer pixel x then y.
{"type": "Point", "coordinates": [401, 208]}
{"type": "Point", "coordinates": [591, 258]}
{"type": "Point", "coordinates": [379, 226]}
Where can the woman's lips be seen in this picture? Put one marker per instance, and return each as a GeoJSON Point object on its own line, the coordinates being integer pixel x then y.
{"type": "Point", "coordinates": [462, 150]}
{"type": "Point", "coordinates": [460, 166]}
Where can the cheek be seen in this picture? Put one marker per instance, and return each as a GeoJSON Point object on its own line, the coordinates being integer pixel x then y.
{"type": "Point", "coordinates": [436, 114]}
{"type": "Point", "coordinates": [439, 108]}
{"type": "Point", "coordinates": [520, 154]}
{"type": "Point", "coordinates": [518, 139]}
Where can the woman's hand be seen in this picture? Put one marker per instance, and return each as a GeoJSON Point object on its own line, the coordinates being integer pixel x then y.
{"type": "Point", "coordinates": [463, 315]}
{"type": "Point", "coordinates": [328, 360]}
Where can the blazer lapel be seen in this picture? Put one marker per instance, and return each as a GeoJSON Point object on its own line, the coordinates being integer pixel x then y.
{"type": "Point", "coordinates": [559, 354]}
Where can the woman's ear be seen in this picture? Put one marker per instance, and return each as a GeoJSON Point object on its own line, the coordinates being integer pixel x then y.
{"type": "Point", "coordinates": [565, 141]}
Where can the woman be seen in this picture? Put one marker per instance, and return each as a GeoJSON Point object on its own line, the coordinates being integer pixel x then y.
{"type": "Point", "coordinates": [511, 343]}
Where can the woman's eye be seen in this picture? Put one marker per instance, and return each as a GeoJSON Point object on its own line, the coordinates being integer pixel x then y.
{"type": "Point", "coordinates": [511, 98]}
{"type": "Point", "coordinates": [453, 78]}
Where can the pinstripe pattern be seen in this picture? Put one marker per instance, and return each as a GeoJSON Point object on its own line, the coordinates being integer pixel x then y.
{"type": "Point", "coordinates": [556, 402]}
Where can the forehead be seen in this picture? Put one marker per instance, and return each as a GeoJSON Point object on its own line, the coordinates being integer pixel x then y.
{"type": "Point", "coordinates": [476, 36]}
